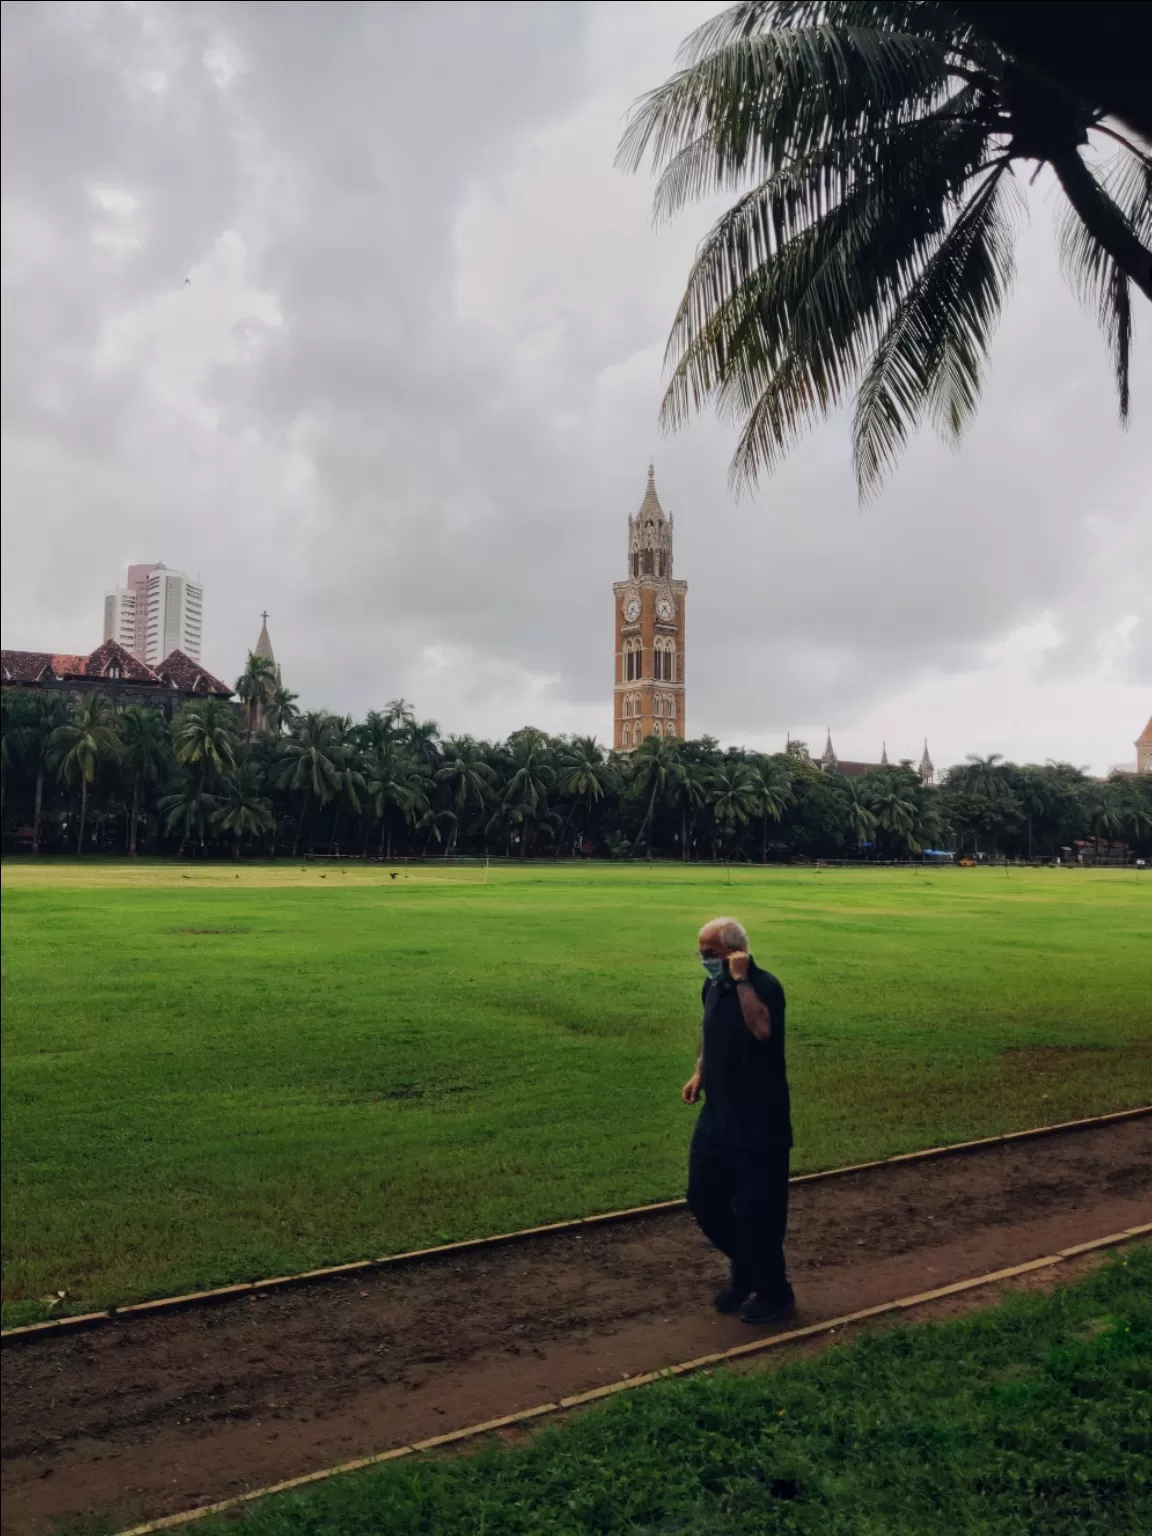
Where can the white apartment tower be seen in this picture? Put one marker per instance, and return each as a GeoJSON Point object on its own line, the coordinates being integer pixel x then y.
{"type": "Point", "coordinates": [159, 611]}
{"type": "Point", "coordinates": [120, 617]}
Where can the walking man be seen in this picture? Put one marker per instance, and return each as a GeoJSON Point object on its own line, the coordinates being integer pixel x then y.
{"type": "Point", "coordinates": [738, 1167]}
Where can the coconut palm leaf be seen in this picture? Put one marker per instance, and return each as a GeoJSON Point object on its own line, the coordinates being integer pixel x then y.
{"type": "Point", "coordinates": [868, 253]}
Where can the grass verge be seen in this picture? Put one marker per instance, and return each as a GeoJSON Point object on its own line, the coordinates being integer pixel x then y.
{"type": "Point", "coordinates": [1031, 1417]}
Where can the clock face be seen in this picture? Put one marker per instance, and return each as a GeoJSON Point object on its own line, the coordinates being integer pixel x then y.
{"type": "Point", "coordinates": [665, 608]}
{"type": "Point", "coordinates": [632, 609]}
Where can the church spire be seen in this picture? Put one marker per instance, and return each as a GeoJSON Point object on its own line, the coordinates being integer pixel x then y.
{"type": "Point", "coordinates": [264, 645]}
{"type": "Point", "coordinates": [927, 768]}
{"type": "Point", "coordinates": [263, 648]}
{"type": "Point", "coordinates": [884, 755]}
{"type": "Point", "coordinates": [829, 756]}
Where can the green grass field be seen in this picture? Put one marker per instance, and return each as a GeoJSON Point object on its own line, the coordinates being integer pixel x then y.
{"type": "Point", "coordinates": [1032, 1418]}
{"type": "Point", "coordinates": [212, 1074]}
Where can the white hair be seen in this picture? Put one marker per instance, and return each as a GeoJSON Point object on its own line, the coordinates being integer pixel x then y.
{"type": "Point", "coordinates": [729, 931]}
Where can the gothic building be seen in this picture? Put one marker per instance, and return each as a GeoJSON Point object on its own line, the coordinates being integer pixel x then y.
{"type": "Point", "coordinates": [828, 759]}
{"type": "Point", "coordinates": [648, 696]}
{"type": "Point", "coordinates": [111, 669]}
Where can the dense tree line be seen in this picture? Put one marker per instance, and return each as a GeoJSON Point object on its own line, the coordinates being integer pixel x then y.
{"type": "Point", "coordinates": [266, 779]}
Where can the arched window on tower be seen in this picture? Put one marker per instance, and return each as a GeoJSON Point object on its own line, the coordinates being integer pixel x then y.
{"type": "Point", "coordinates": [649, 564]}
{"type": "Point", "coordinates": [663, 563]}
{"type": "Point", "coordinates": [635, 565]}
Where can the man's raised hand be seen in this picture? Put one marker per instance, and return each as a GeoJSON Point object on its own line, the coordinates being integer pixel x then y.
{"type": "Point", "coordinates": [738, 963]}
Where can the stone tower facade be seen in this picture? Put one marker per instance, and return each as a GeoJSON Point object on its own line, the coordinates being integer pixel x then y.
{"type": "Point", "coordinates": [648, 696]}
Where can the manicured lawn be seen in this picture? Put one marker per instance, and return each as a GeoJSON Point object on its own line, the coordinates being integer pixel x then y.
{"type": "Point", "coordinates": [1029, 1420]}
{"type": "Point", "coordinates": [212, 1075]}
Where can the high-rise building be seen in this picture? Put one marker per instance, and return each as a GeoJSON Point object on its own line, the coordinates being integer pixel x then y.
{"type": "Point", "coordinates": [157, 612]}
{"type": "Point", "coordinates": [648, 696]}
{"type": "Point", "coordinates": [174, 615]}
{"type": "Point", "coordinates": [120, 618]}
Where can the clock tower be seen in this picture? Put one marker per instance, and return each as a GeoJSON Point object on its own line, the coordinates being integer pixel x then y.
{"type": "Point", "coordinates": [648, 698]}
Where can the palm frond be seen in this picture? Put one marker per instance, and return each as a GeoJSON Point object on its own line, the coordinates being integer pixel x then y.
{"type": "Point", "coordinates": [749, 17]}
{"type": "Point", "coordinates": [932, 355]}
{"type": "Point", "coordinates": [783, 309]}
{"type": "Point", "coordinates": [763, 100]}
{"type": "Point", "coordinates": [1095, 277]}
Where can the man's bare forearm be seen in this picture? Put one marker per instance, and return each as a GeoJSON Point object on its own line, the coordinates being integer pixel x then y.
{"type": "Point", "coordinates": [756, 1015]}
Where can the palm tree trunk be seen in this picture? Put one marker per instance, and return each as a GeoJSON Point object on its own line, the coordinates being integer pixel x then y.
{"type": "Point", "coordinates": [1102, 220]}
{"type": "Point", "coordinates": [300, 827]}
{"type": "Point", "coordinates": [335, 827]}
{"type": "Point", "coordinates": [36, 809]}
{"type": "Point", "coordinates": [764, 841]}
{"type": "Point", "coordinates": [563, 835]}
{"type": "Point", "coordinates": [83, 814]}
{"type": "Point", "coordinates": [133, 817]}
{"type": "Point", "coordinates": [647, 819]}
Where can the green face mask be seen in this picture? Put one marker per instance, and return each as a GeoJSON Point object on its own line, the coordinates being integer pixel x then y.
{"type": "Point", "coordinates": [714, 968]}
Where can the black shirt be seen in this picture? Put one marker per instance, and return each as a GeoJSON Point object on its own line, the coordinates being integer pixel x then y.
{"type": "Point", "coordinates": [744, 1079]}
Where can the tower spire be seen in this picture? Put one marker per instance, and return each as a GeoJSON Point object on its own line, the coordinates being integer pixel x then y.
{"type": "Point", "coordinates": [927, 768]}
{"type": "Point", "coordinates": [264, 644]}
{"type": "Point", "coordinates": [650, 508]}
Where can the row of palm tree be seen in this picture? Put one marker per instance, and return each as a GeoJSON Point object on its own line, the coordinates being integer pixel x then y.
{"type": "Point", "coordinates": [268, 778]}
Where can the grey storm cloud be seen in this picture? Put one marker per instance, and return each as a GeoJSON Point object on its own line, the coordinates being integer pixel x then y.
{"type": "Point", "coordinates": [408, 398]}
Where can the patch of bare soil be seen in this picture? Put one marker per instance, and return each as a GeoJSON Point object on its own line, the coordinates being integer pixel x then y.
{"type": "Point", "coordinates": [145, 1416]}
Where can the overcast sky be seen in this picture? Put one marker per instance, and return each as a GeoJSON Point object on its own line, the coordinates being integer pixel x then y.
{"type": "Point", "coordinates": [408, 399]}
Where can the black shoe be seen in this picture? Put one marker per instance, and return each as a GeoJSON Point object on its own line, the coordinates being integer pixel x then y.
{"type": "Point", "coordinates": [761, 1310]}
{"type": "Point", "coordinates": [732, 1296]}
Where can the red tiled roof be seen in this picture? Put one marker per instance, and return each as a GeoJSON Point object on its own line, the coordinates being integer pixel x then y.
{"type": "Point", "coordinates": [853, 770]}
{"type": "Point", "coordinates": [189, 676]}
{"type": "Point", "coordinates": [32, 666]}
{"type": "Point", "coordinates": [24, 666]}
{"type": "Point", "coordinates": [107, 655]}
{"type": "Point", "coordinates": [176, 671]}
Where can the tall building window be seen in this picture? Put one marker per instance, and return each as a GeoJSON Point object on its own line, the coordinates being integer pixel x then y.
{"type": "Point", "coordinates": [635, 565]}
{"type": "Point", "coordinates": [664, 661]}
{"type": "Point", "coordinates": [649, 564]}
{"type": "Point", "coordinates": [663, 563]}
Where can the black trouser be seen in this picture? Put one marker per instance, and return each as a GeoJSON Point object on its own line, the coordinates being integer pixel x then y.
{"type": "Point", "coordinates": [739, 1197]}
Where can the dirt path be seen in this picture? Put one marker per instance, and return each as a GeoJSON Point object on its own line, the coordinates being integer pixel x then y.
{"type": "Point", "coordinates": [144, 1417]}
